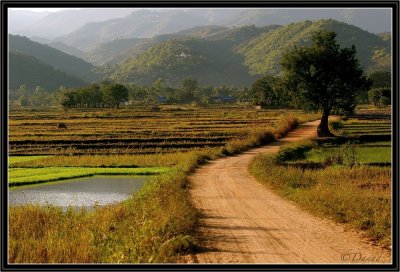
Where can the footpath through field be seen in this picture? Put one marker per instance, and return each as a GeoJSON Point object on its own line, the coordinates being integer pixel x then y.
{"type": "Point", "coordinates": [244, 222]}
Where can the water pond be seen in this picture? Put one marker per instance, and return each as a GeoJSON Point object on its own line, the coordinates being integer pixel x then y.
{"type": "Point", "coordinates": [82, 192]}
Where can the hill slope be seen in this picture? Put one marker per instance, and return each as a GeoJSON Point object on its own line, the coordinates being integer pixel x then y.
{"type": "Point", "coordinates": [239, 55]}
{"type": "Point", "coordinates": [120, 50]}
{"type": "Point", "coordinates": [262, 55]}
{"type": "Point", "coordinates": [359, 17]}
{"type": "Point", "coordinates": [211, 59]}
{"type": "Point", "coordinates": [53, 57]}
{"type": "Point", "coordinates": [147, 23]}
{"type": "Point", "coordinates": [28, 70]}
{"type": "Point", "coordinates": [53, 24]}
{"type": "Point", "coordinates": [140, 24]}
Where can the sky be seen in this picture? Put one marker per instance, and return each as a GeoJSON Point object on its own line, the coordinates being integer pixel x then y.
{"type": "Point", "coordinates": [42, 9]}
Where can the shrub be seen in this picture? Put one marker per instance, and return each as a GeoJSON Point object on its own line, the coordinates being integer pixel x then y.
{"type": "Point", "coordinates": [380, 97]}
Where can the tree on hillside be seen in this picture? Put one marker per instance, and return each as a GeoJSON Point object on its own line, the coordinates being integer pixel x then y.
{"type": "Point", "coordinates": [324, 77]}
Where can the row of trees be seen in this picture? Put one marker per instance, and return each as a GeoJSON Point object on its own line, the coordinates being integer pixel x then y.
{"type": "Point", "coordinates": [268, 91]}
{"type": "Point", "coordinates": [189, 91]}
{"type": "Point", "coordinates": [106, 94]}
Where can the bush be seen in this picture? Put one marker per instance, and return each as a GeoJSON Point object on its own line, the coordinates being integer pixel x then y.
{"type": "Point", "coordinates": [380, 97]}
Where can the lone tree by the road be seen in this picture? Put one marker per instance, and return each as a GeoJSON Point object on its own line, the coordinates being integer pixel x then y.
{"type": "Point", "coordinates": [324, 77]}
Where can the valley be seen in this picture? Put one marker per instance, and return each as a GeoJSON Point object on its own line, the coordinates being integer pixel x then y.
{"type": "Point", "coordinates": [200, 135]}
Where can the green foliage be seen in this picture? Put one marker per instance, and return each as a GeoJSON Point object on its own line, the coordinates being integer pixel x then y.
{"type": "Point", "coordinates": [380, 97]}
{"type": "Point", "coordinates": [324, 77]}
{"type": "Point", "coordinates": [108, 94]}
{"type": "Point", "coordinates": [269, 91]}
{"type": "Point", "coordinates": [114, 94]}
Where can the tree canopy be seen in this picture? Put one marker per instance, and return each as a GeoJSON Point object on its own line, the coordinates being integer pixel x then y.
{"type": "Point", "coordinates": [324, 77]}
{"type": "Point", "coordinates": [268, 91]}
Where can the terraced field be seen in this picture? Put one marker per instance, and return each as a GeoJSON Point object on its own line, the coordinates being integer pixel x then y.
{"type": "Point", "coordinates": [131, 131]}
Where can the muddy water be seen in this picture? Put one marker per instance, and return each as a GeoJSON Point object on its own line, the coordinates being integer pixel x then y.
{"type": "Point", "coordinates": [82, 192]}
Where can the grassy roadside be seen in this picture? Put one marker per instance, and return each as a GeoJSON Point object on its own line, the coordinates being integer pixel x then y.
{"type": "Point", "coordinates": [154, 226]}
{"type": "Point", "coordinates": [332, 185]}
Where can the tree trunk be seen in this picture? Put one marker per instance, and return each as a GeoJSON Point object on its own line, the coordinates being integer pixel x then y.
{"type": "Point", "coordinates": [323, 127]}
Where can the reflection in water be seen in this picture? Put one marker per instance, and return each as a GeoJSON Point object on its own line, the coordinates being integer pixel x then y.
{"type": "Point", "coordinates": [83, 192]}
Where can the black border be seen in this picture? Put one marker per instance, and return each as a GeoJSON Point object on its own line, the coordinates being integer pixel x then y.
{"type": "Point", "coordinates": [394, 5]}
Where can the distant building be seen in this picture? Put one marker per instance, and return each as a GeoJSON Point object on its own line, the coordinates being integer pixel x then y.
{"type": "Point", "coordinates": [162, 99]}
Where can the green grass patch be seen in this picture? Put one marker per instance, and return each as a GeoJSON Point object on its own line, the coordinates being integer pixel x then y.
{"type": "Point", "coordinates": [25, 176]}
{"type": "Point", "coordinates": [363, 153]}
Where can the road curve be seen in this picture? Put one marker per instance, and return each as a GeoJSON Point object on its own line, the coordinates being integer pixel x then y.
{"type": "Point", "coordinates": [244, 222]}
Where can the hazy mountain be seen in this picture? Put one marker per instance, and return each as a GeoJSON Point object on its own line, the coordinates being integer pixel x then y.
{"type": "Point", "coordinates": [210, 58]}
{"type": "Point", "coordinates": [386, 36]}
{"type": "Point", "coordinates": [18, 20]}
{"type": "Point", "coordinates": [361, 18]}
{"type": "Point", "coordinates": [53, 57]}
{"type": "Point", "coordinates": [30, 71]}
{"type": "Point", "coordinates": [140, 24]}
{"type": "Point", "coordinates": [148, 23]}
{"type": "Point", "coordinates": [262, 55]}
{"type": "Point", "coordinates": [66, 49]}
{"type": "Point", "coordinates": [59, 23]}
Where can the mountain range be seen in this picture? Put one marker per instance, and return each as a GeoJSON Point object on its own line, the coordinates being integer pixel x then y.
{"type": "Point", "coordinates": [236, 56]}
{"type": "Point", "coordinates": [150, 44]}
{"type": "Point", "coordinates": [82, 28]}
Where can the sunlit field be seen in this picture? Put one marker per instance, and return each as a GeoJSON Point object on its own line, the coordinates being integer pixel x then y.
{"type": "Point", "coordinates": [347, 179]}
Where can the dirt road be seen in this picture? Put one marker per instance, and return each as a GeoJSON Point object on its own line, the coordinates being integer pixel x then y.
{"type": "Point", "coordinates": [244, 222]}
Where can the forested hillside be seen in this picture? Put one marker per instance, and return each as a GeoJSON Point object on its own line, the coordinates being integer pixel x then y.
{"type": "Point", "coordinates": [236, 56]}
{"type": "Point", "coordinates": [208, 56]}
{"type": "Point", "coordinates": [27, 70]}
{"type": "Point", "coordinates": [263, 54]}
{"type": "Point", "coordinates": [119, 50]}
{"type": "Point", "coordinates": [53, 57]}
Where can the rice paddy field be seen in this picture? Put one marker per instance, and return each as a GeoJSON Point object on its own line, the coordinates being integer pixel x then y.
{"type": "Point", "coordinates": [368, 137]}
{"type": "Point", "coordinates": [158, 223]}
{"type": "Point", "coordinates": [131, 131]}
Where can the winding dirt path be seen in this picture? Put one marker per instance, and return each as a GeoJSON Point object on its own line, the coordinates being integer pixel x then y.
{"type": "Point", "coordinates": [244, 222]}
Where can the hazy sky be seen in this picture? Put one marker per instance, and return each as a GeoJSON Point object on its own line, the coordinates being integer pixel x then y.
{"type": "Point", "coordinates": [42, 9]}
